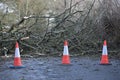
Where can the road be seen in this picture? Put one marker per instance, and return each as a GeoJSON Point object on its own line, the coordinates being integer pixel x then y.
{"type": "Point", "coordinates": [50, 68]}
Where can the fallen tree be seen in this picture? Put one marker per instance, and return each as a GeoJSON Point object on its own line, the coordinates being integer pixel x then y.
{"type": "Point", "coordinates": [85, 29]}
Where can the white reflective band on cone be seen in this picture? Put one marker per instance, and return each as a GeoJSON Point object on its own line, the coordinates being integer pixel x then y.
{"type": "Point", "coordinates": [17, 53]}
{"type": "Point", "coordinates": [65, 52]}
{"type": "Point", "coordinates": [104, 52]}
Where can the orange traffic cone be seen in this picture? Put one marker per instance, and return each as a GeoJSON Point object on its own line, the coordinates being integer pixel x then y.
{"type": "Point", "coordinates": [17, 59]}
{"type": "Point", "coordinates": [104, 58]}
{"type": "Point", "coordinates": [65, 57]}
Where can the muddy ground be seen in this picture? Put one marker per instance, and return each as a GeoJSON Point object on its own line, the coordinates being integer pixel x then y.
{"type": "Point", "coordinates": [50, 68]}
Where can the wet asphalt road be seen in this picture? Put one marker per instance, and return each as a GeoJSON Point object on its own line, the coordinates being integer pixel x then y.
{"type": "Point", "coordinates": [50, 68]}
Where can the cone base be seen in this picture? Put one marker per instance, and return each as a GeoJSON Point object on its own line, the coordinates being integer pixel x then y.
{"type": "Point", "coordinates": [105, 64]}
{"type": "Point", "coordinates": [65, 64]}
{"type": "Point", "coordinates": [16, 67]}
{"type": "Point", "coordinates": [66, 59]}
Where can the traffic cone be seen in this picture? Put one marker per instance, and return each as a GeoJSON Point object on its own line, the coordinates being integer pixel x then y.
{"type": "Point", "coordinates": [65, 57]}
{"type": "Point", "coordinates": [104, 58]}
{"type": "Point", "coordinates": [17, 60]}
